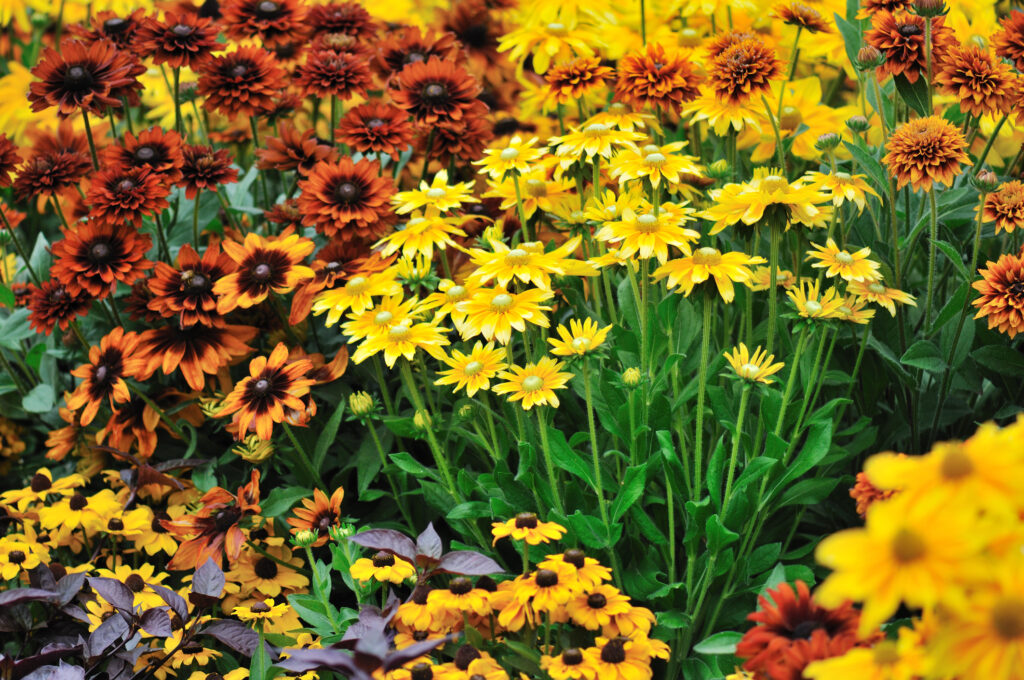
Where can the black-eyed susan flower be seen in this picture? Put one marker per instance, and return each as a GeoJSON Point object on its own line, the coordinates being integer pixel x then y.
{"type": "Point", "coordinates": [756, 367]}
{"type": "Point", "coordinates": [878, 293]}
{"type": "Point", "coordinates": [594, 607]}
{"type": "Point", "coordinates": [623, 117]}
{"type": "Point", "coordinates": [517, 156]}
{"type": "Point", "coordinates": [548, 590]}
{"type": "Point", "coordinates": [94, 258]}
{"type": "Point", "coordinates": [103, 377]}
{"type": "Point", "coordinates": [460, 596]}
{"type": "Point", "coordinates": [260, 611]}
{"type": "Point", "coordinates": [79, 510]}
{"type": "Point", "coordinates": [494, 312]}
{"type": "Point", "coordinates": [926, 150]}
{"type": "Point", "coordinates": [708, 263]}
{"type": "Point", "coordinates": [534, 384]}
{"type": "Point", "coordinates": [761, 279]}
{"type": "Point", "coordinates": [389, 312]}
{"type": "Point", "coordinates": [527, 527]}
{"type": "Point", "coordinates": [437, 91]}
{"type": "Point", "coordinates": [571, 664]}
{"type": "Point", "coordinates": [589, 572]}
{"type": "Point", "coordinates": [656, 163]}
{"type": "Point", "coordinates": [527, 262]}
{"type": "Point", "coordinates": [836, 261]}
{"type": "Point", "coordinates": [571, 80]}
{"type": "Point", "coordinates": [547, 42]}
{"type": "Point", "coordinates": [1001, 294]}
{"type": "Point", "coordinates": [903, 657]}
{"type": "Point", "coordinates": [269, 575]}
{"type": "Point", "coordinates": [1005, 206]}
{"type": "Point", "coordinates": [402, 340]}
{"type": "Point", "coordinates": [346, 199]}
{"type": "Point", "coordinates": [18, 554]}
{"type": "Point", "coordinates": [619, 658]}
{"type": "Point", "coordinates": [318, 514]}
{"type": "Point", "coordinates": [648, 235]}
{"type": "Point", "coordinates": [769, 196]}
{"type": "Point", "coordinates": [812, 303]}
{"type": "Point", "coordinates": [139, 581]}
{"type": "Point", "coordinates": [40, 486]}
{"type": "Point", "coordinates": [382, 567]}
{"type": "Point", "coordinates": [743, 71]}
{"type": "Point", "coordinates": [265, 265]}
{"type": "Point", "coordinates": [658, 77]}
{"type": "Point", "coordinates": [357, 295]}
{"type": "Point", "coordinates": [843, 187]}
{"type": "Point", "coordinates": [438, 196]}
{"type": "Point", "coordinates": [855, 310]}
{"type": "Point", "coordinates": [473, 370]}
{"type": "Point", "coordinates": [538, 190]}
{"type": "Point", "coordinates": [581, 337]}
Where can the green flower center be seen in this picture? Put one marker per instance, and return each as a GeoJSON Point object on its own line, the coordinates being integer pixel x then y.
{"type": "Point", "coordinates": [532, 383]}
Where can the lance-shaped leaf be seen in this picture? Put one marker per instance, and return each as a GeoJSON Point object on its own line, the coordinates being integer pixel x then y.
{"type": "Point", "coordinates": [15, 596]}
{"type": "Point", "coordinates": [428, 547]}
{"type": "Point", "coordinates": [114, 592]}
{"type": "Point", "coordinates": [387, 540]}
{"type": "Point", "coordinates": [469, 563]}
{"type": "Point", "coordinates": [237, 636]}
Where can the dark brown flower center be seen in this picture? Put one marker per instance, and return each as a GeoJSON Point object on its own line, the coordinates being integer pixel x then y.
{"type": "Point", "coordinates": [803, 630]}
{"type": "Point", "coordinates": [193, 648]}
{"type": "Point", "coordinates": [909, 30]}
{"type": "Point", "coordinates": [526, 520]}
{"type": "Point", "coordinates": [226, 518]}
{"type": "Point", "coordinates": [261, 272]}
{"type": "Point", "coordinates": [125, 185]}
{"type": "Point", "coordinates": [78, 501]}
{"type": "Point", "coordinates": [135, 583]}
{"type": "Point", "coordinates": [114, 25]}
{"type": "Point", "coordinates": [596, 601]}
{"type": "Point", "coordinates": [267, 8]}
{"type": "Point", "coordinates": [145, 154]}
{"type": "Point", "coordinates": [374, 123]}
{"type": "Point", "coordinates": [261, 386]}
{"type": "Point", "coordinates": [421, 671]}
{"type": "Point", "coordinates": [956, 464]}
{"type": "Point", "coordinates": [460, 585]}
{"type": "Point", "coordinates": [156, 525]}
{"type": "Point", "coordinates": [614, 651]}
{"type": "Point", "coordinates": [1016, 289]}
{"type": "Point", "coordinates": [575, 557]}
{"type": "Point", "coordinates": [383, 559]}
{"type": "Point", "coordinates": [16, 557]}
{"type": "Point", "coordinates": [100, 252]}
{"type": "Point", "coordinates": [572, 656]}
{"type": "Point", "coordinates": [238, 70]}
{"type": "Point", "coordinates": [1008, 618]}
{"type": "Point", "coordinates": [547, 578]}
{"type": "Point", "coordinates": [198, 282]}
{"type": "Point", "coordinates": [182, 30]}
{"type": "Point", "coordinates": [477, 676]}
{"type": "Point", "coordinates": [487, 583]}
{"type": "Point", "coordinates": [77, 78]}
{"type": "Point", "coordinates": [260, 608]}
{"type": "Point", "coordinates": [435, 92]}
{"type": "Point", "coordinates": [347, 192]}
{"type": "Point", "coordinates": [466, 655]}
{"type": "Point", "coordinates": [115, 524]}
{"type": "Point", "coordinates": [264, 568]}
{"type": "Point", "coordinates": [40, 482]}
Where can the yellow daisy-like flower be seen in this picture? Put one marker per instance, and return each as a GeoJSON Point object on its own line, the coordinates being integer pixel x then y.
{"type": "Point", "coordinates": [357, 295]}
{"type": "Point", "coordinates": [811, 303]}
{"type": "Point", "coordinates": [900, 659]}
{"type": "Point", "coordinates": [756, 367]}
{"type": "Point", "coordinates": [494, 312]}
{"type": "Point", "coordinates": [836, 261]}
{"type": "Point", "coordinates": [548, 42]}
{"type": "Point", "coordinates": [382, 567]}
{"type": "Point", "coordinates": [580, 338]}
{"type": "Point", "coordinates": [596, 139]}
{"type": "Point", "coordinates": [705, 263]}
{"type": "Point", "coordinates": [649, 235]}
{"type": "Point", "coordinates": [518, 156]}
{"type": "Point", "coordinates": [474, 370]}
{"type": "Point", "coordinates": [656, 163]}
{"type": "Point", "coordinates": [571, 664]}
{"type": "Point", "coordinates": [537, 191]}
{"type": "Point", "coordinates": [421, 234]}
{"type": "Point", "coordinates": [878, 293]}
{"type": "Point", "coordinates": [402, 340]}
{"type": "Point", "coordinates": [855, 310]}
{"type": "Point", "coordinates": [722, 114]}
{"type": "Point", "coordinates": [260, 611]}
{"type": "Point", "coordinates": [843, 188]}
{"type": "Point", "coordinates": [527, 262]}
{"type": "Point", "coordinates": [438, 196]}
{"type": "Point", "coordinates": [449, 294]}
{"type": "Point", "coordinates": [621, 116]}
{"type": "Point", "coordinates": [526, 527]}
{"type": "Point", "coordinates": [768, 195]}
{"type": "Point", "coordinates": [381, 318]}
{"type": "Point", "coordinates": [609, 206]}
{"type": "Point", "coordinates": [534, 384]}
{"type": "Point", "coordinates": [459, 597]}
{"type": "Point", "coordinates": [761, 279]}
{"type": "Point", "coordinates": [17, 553]}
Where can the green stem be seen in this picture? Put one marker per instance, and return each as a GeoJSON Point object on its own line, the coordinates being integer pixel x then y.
{"type": "Point", "coordinates": [178, 123]}
{"type": "Point", "coordinates": [92, 144]}
{"type": "Point", "coordinates": [773, 285]}
{"type": "Point", "coordinates": [263, 177]}
{"type": "Point", "coordinates": [791, 380]}
{"type": "Point", "coordinates": [643, 23]}
{"type": "Point", "coordinates": [391, 481]}
{"type": "Point", "coordinates": [314, 474]}
{"type": "Point", "coordinates": [435, 448]}
{"type": "Point", "coordinates": [702, 381]}
{"type": "Point", "coordinates": [520, 210]}
{"type": "Point", "coordinates": [988, 144]}
{"type": "Point", "coordinates": [602, 504]}
{"type": "Point", "coordinates": [545, 448]}
{"type": "Point", "coordinates": [195, 222]}
{"type": "Point", "coordinates": [18, 247]}
{"type": "Point", "coordinates": [744, 399]}
{"type": "Point", "coordinates": [780, 153]}
{"type": "Point", "coordinates": [933, 237]}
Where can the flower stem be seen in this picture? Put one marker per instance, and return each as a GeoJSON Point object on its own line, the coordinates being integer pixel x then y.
{"type": "Point", "coordinates": [545, 448]}
{"type": "Point", "coordinates": [595, 457]}
{"type": "Point", "coordinates": [520, 210]}
{"type": "Point", "coordinates": [988, 145]}
{"type": "Point", "coordinates": [18, 247]}
{"type": "Point", "coordinates": [391, 481]}
{"type": "Point", "coordinates": [178, 123]}
{"type": "Point", "coordinates": [780, 153]}
{"type": "Point", "coordinates": [435, 447]}
{"type": "Point", "coordinates": [92, 144]}
{"type": "Point", "coordinates": [702, 381]}
{"type": "Point", "coordinates": [773, 285]}
{"type": "Point", "coordinates": [195, 222]}
{"type": "Point", "coordinates": [744, 399]}
{"type": "Point", "coordinates": [300, 452]}
{"type": "Point", "coordinates": [791, 380]}
{"type": "Point", "coordinates": [933, 236]}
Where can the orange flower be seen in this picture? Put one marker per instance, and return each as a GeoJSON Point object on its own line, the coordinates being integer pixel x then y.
{"type": "Point", "coordinates": [264, 265]}
{"type": "Point", "coordinates": [103, 377]}
{"type": "Point", "coordinates": [1009, 42]}
{"type": "Point", "coordinates": [654, 76]}
{"type": "Point", "coordinates": [1005, 206]}
{"type": "Point", "coordinates": [743, 70]}
{"type": "Point", "coordinates": [80, 76]}
{"type": "Point", "coordinates": [195, 350]}
{"type": "Point", "coordinates": [926, 150]}
{"type": "Point", "coordinates": [1002, 294]}
{"type": "Point", "coordinates": [436, 91]}
{"type": "Point", "coordinates": [318, 515]}
{"type": "Point", "coordinates": [276, 23]}
{"type": "Point", "coordinates": [273, 385]}
{"type": "Point", "coordinates": [95, 257]}
{"type": "Point", "coordinates": [981, 83]}
{"type": "Point", "coordinates": [121, 196]}
{"type": "Point", "coordinates": [802, 16]}
{"type": "Point", "coordinates": [244, 81]}
{"type": "Point", "coordinates": [572, 80]}
{"type": "Point", "coordinates": [900, 37]}
{"type": "Point", "coordinates": [347, 200]}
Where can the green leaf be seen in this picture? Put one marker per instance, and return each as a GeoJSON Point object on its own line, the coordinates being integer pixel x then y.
{"type": "Point", "coordinates": [591, 530]}
{"type": "Point", "coordinates": [281, 499]}
{"type": "Point", "coordinates": [719, 643]}
{"type": "Point", "coordinates": [41, 399]}
{"type": "Point", "coordinates": [925, 355]}
{"type": "Point", "coordinates": [405, 461]}
{"type": "Point", "coordinates": [808, 491]}
{"type": "Point", "coordinates": [953, 306]}
{"type": "Point", "coordinates": [470, 510]}
{"type": "Point", "coordinates": [6, 296]}
{"type": "Point", "coordinates": [870, 165]}
{"type": "Point", "coordinates": [631, 489]}
{"type": "Point", "coordinates": [852, 37]}
{"type": "Point", "coordinates": [564, 457]}
{"type": "Point", "coordinates": [815, 448]}
{"type": "Point", "coordinates": [1001, 359]}
{"type": "Point", "coordinates": [718, 536]}
{"type": "Point", "coordinates": [260, 662]}
{"type": "Point", "coordinates": [311, 610]}
{"type": "Point", "coordinates": [955, 257]}
{"type": "Point", "coordinates": [327, 435]}
{"type": "Point", "coordinates": [914, 94]}
{"type": "Point", "coordinates": [15, 328]}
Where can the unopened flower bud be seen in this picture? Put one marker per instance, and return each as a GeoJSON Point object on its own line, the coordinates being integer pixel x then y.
{"type": "Point", "coordinates": [339, 533]}
{"type": "Point", "coordinates": [254, 450]}
{"type": "Point", "coordinates": [719, 169]}
{"type": "Point", "coordinates": [631, 377]}
{"type": "Point", "coordinates": [305, 538]}
{"type": "Point", "coordinates": [422, 420]}
{"type": "Point", "coordinates": [868, 58]}
{"type": "Point", "coordinates": [466, 411]}
{"type": "Point", "coordinates": [361, 404]}
{"type": "Point", "coordinates": [929, 8]}
{"type": "Point", "coordinates": [688, 37]}
{"type": "Point", "coordinates": [827, 142]}
{"type": "Point", "coordinates": [858, 124]}
{"type": "Point", "coordinates": [985, 181]}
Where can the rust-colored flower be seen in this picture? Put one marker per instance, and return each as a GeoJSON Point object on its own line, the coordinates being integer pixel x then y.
{"type": "Point", "coordinates": [9, 159]}
{"type": "Point", "coordinates": [273, 385]}
{"type": "Point", "coordinates": [275, 22]}
{"type": "Point", "coordinates": [156, 149]}
{"type": "Point", "coordinates": [204, 168]}
{"type": "Point", "coordinates": [265, 265]}
{"type": "Point", "coordinates": [413, 46]}
{"type": "Point", "coordinates": [347, 200]}
{"type": "Point", "coordinates": [214, 531]}
{"type": "Point", "coordinates": [572, 80]}
{"type": "Point", "coordinates": [744, 70]}
{"type": "Point", "coordinates": [350, 18]}
{"type": "Point", "coordinates": [794, 630]}
{"type": "Point", "coordinates": [119, 196]}
{"type": "Point", "coordinates": [871, 7]}
{"type": "Point", "coordinates": [134, 422]}
{"type": "Point", "coordinates": [865, 493]}
{"type": "Point", "coordinates": [80, 76]}
{"type": "Point", "coordinates": [197, 350]}
{"type": "Point", "coordinates": [50, 304]}
{"type": "Point", "coordinates": [177, 40]}
{"type": "Point", "coordinates": [103, 376]}
{"type": "Point", "coordinates": [803, 16]}
{"type": "Point", "coordinates": [292, 150]}
{"type": "Point", "coordinates": [95, 257]}
{"type": "Point", "coordinates": [50, 174]}
{"type": "Point", "coordinates": [926, 150]}
{"type": "Point", "coordinates": [244, 81]}
{"type": "Point", "coordinates": [318, 515]}
{"type": "Point", "coordinates": [723, 41]}
{"type": "Point", "coordinates": [107, 25]}
{"type": "Point", "coordinates": [1009, 41]}
{"type": "Point", "coordinates": [136, 302]}
{"type": "Point", "coordinates": [1005, 206]}
{"type": "Point", "coordinates": [478, 28]}
{"type": "Point", "coordinates": [187, 289]}
{"type": "Point", "coordinates": [285, 214]}
{"type": "Point", "coordinates": [466, 138]}
{"type": "Point", "coordinates": [900, 37]}
{"type": "Point", "coordinates": [657, 77]}
{"type": "Point", "coordinates": [982, 84]}
{"type": "Point", "coordinates": [1001, 298]}
{"type": "Point", "coordinates": [376, 127]}
{"type": "Point", "coordinates": [327, 73]}
{"type": "Point", "coordinates": [437, 91]}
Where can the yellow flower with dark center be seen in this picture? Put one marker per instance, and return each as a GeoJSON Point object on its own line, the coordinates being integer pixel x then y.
{"type": "Point", "coordinates": [580, 338]}
{"type": "Point", "coordinates": [421, 234]}
{"type": "Point", "coordinates": [707, 263]}
{"type": "Point", "coordinates": [656, 163]}
{"type": "Point", "coordinates": [842, 188]}
{"type": "Point", "coordinates": [381, 318]}
{"type": "Point", "coordinates": [260, 611]}
{"type": "Point", "coordinates": [534, 384]}
{"type": "Point", "coordinates": [811, 303]}
{"type": "Point", "coordinates": [548, 590]}
{"type": "Point", "coordinates": [356, 294]}
{"type": "Point", "coordinates": [594, 139]}
{"type": "Point", "coordinates": [594, 608]}
{"type": "Point", "coordinates": [648, 235]}
{"type": "Point", "coordinates": [473, 371]}
{"type": "Point", "coordinates": [459, 597]}
{"type": "Point", "coordinates": [571, 664]}
{"type": "Point", "coordinates": [878, 293]}
{"type": "Point", "coordinates": [756, 367]}
{"type": "Point", "coordinates": [589, 572]}
{"type": "Point", "coordinates": [140, 581]}
{"type": "Point", "coordinates": [438, 196]}
{"type": "Point", "coordinates": [527, 262]}
{"type": "Point", "coordinates": [79, 510]}
{"type": "Point", "coordinates": [265, 265]}
{"type": "Point", "coordinates": [382, 567]}
{"type": "Point", "coordinates": [619, 658]}
{"type": "Point", "coordinates": [548, 42]}
{"type": "Point", "coordinates": [17, 553]}
{"type": "Point", "coordinates": [518, 156]}
{"type": "Point", "coordinates": [527, 527]}
{"type": "Point", "coordinates": [402, 340]}
{"type": "Point", "coordinates": [41, 486]}
{"type": "Point", "coordinates": [268, 575]}
{"type": "Point", "coordinates": [836, 261]}
{"type": "Point", "coordinates": [494, 312]}
{"type": "Point", "coordinates": [126, 524]}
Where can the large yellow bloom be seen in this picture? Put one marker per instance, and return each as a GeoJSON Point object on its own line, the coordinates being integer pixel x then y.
{"type": "Point", "coordinates": [494, 312]}
{"type": "Point", "coordinates": [518, 156]}
{"type": "Point", "coordinates": [438, 196]}
{"type": "Point", "coordinates": [548, 41]}
{"type": "Point", "coordinates": [534, 384]}
{"type": "Point", "coordinates": [402, 341]}
{"type": "Point", "coordinates": [580, 338]}
{"type": "Point", "coordinates": [596, 139]}
{"type": "Point", "coordinates": [357, 294]}
{"type": "Point", "coordinates": [878, 293]}
{"type": "Point", "coordinates": [657, 163]}
{"type": "Point", "coordinates": [527, 262]}
{"type": "Point", "coordinates": [381, 318]}
{"type": "Point", "coordinates": [900, 659]}
{"type": "Point", "coordinates": [421, 234]}
{"type": "Point", "coordinates": [650, 235]}
{"type": "Point", "coordinates": [474, 370]}
{"type": "Point", "coordinates": [768, 194]}
{"type": "Point", "coordinates": [849, 266]}
{"type": "Point", "coordinates": [802, 108]}
{"type": "Point", "coordinates": [537, 191]}
{"type": "Point", "coordinates": [706, 263]}
{"type": "Point", "coordinates": [811, 303]}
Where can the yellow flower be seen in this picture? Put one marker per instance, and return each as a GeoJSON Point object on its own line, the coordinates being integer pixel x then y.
{"type": "Point", "coordinates": [534, 384]}
{"type": "Point", "coordinates": [656, 163]}
{"type": "Point", "coordinates": [619, 115]}
{"type": "Point", "coordinates": [382, 567]}
{"type": "Point", "coordinates": [595, 607]}
{"type": "Point", "coordinates": [449, 294]}
{"type": "Point", "coordinates": [548, 42]}
{"type": "Point", "coordinates": [705, 263]}
{"type": "Point", "coordinates": [17, 553]}
{"type": "Point", "coordinates": [756, 367]}
{"type": "Point", "coordinates": [379, 319]}
{"type": "Point", "coordinates": [261, 611]}
{"type": "Point", "coordinates": [609, 206]}
{"type": "Point", "coordinates": [571, 664]}
{"type": "Point", "coordinates": [768, 195]}
{"type": "Point", "coordinates": [761, 279]}
{"type": "Point", "coordinates": [403, 340]}
{"type": "Point", "coordinates": [843, 188]}
{"type": "Point", "coordinates": [875, 291]}
{"type": "Point", "coordinates": [494, 312]}
{"type": "Point", "coordinates": [526, 527]}
{"type": "Point", "coordinates": [596, 139]}
{"type": "Point", "coordinates": [459, 597]}
{"type": "Point", "coordinates": [836, 261]}
{"type": "Point", "coordinates": [537, 191]}
{"type": "Point", "coordinates": [648, 234]}
{"type": "Point", "coordinates": [357, 295]}
{"type": "Point", "coordinates": [722, 114]}
{"type": "Point", "coordinates": [421, 234]}
{"type": "Point", "coordinates": [517, 156]}
{"type": "Point", "coordinates": [900, 659]}
{"type": "Point", "coordinates": [438, 196]}
{"type": "Point", "coordinates": [527, 262]}
{"type": "Point", "coordinates": [473, 371]}
{"type": "Point", "coordinates": [810, 303]}
{"type": "Point", "coordinates": [579, 339]}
